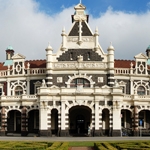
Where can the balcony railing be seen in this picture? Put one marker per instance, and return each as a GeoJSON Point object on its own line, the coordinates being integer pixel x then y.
{"type": "Point", "coordinates": [18, 97]}
{"type": "Point", "coordinates": [122, 71]}
{"type": "Point", "coordinates": [33, 71]}
{"type": "Point", "coordinates": [36, 71]}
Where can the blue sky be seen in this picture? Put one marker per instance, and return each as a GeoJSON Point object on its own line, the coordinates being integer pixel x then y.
{"type": "Point", "coordinates": [29, 25]}
{"type": "Point", "coordinates": [96, 7]}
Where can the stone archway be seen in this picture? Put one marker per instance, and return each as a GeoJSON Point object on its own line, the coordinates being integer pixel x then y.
{"type": "Point", "coordinates": [54, 121]}
{"type": "Point", "coordinates": [80, 117]}
{"type": "Point", "coordinates": [14, 121]}
{"type": "Point", "coordinates": [126, 122]}
{"type": "Point", "coordinates": [33, 121]}
{"type": "Point", "coordinates": [105, 121]}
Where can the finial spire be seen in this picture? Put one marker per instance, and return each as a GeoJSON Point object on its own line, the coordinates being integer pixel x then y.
{"type": "Point", "coordinates": [80, 1]}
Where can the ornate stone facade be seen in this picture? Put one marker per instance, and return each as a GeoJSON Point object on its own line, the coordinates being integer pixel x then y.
{"type": "Point", "coordinates": [79, 88]}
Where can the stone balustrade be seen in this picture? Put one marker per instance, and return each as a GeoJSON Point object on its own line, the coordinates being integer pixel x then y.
{"type": "Point", "coordinates": [122, 71]}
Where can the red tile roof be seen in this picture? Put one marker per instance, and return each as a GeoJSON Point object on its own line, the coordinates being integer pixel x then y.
{"type": "Point", "coordinates": [3, 67]}
{"type": "Point", "coordinates": [123, 63]}
{"type": "Point", "coordinates": [36, 63]}
{"type": "Point", "coordinates": [42, 64]}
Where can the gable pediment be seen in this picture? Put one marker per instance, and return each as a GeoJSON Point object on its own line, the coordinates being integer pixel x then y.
{"type": "Point", "coordinates": [54, 87]}
{"type": "Point", "coordinates": [85, 30]}
{"type": "Point", "coordinates": [140, 56]}
{"type": "Point", "coordinates": [18, 56]}
{"type": "Point", "coordinates": [80, 6]}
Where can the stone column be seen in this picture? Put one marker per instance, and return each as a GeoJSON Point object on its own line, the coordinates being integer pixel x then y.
{"type": "Point", "coordinates": [131, 87]}
{"type": "Point", "coordinates": [43, 131]}
{"type": "Point", "coordinates": [97, 131]}
{"type": "Point", "coordinates": [3, 122]}
{"type": "Point", "coordinates": [93, 124]}
{"type": "Point", "coordinates": [49, 124]}
{"type": "Point", "coordinates": [116, 119]}
{"type": "Point", "coordinates": [59, 123]}
{"type": "Point", "coordinates": [63, 132]}
{"type": "Point", "coordinates": [100, 123]}
{"type": "Point", "coordinates": [8, 88]}
{"type": "Point", "coordinates": [67, 123]}
{"type": "Point", "coordinates": [110, 122]}
{"type": "Point", "coordinates": [28, 86]}
{"type": "Point", "coordinates": [24, 123]}
{"type": "Point", "coordinates": [135, 121]}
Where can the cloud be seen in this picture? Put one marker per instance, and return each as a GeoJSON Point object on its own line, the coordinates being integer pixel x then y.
{"type": "Point", "coordinates": [148, 4]}
{"type": "Point", "coordinates": [129, 32]}
{"type": "Point", "coordinates": [28, 30]}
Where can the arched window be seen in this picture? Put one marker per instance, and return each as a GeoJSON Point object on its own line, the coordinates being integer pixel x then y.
{"type": "Point", "coordinates": [80, 81]}
{"type": "Point", "coordinates": [18, 90]}
{"type": "Point", "coordinates": [141, 90]}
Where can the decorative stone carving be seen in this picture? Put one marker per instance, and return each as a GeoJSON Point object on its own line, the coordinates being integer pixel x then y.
{"type": "Point", "coordinates": [116, 83]}
{"type": "Point", "coordinates": [82, 65]}
{"type": "Point", "coordinates": [59, 80]}
{"type": "Point", "coordinates": [43, 83]}
{"type": "Point", "coordinates": [100, 79]}
{"type": "Point", "coordinates": [84, 39]}
{"type": "Point", "coordinates": [79, 89]}
{"type": "Point", "coordinates": [80, 58]}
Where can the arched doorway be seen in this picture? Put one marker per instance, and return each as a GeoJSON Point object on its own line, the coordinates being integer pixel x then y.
{"type": "Point", "coordinates": [105, 121]}
{"type": "Point", "coordinates": [14, 121]}
{"type": "Point", "coordinates": [126, 122]}
{"type": "Point", "coordinates": [54, 121]}
{"type": "Point", "coordinates": [33, 121]}
{"type": "Point", "coordinates": [144, 119]}
{"type": "Point", "coordinates": [79, 120]}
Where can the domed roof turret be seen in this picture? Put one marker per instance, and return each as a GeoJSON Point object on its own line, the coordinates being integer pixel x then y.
{"type": "Point", "coordinates": [49, 47]}
{"type": "Point", "coordinates": [9, 47]}
{"type": "Point", "coordinates": [110, 47]}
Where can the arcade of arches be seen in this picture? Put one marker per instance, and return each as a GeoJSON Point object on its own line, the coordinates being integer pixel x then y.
{"type": "Point", "coordinates": [80, 118]}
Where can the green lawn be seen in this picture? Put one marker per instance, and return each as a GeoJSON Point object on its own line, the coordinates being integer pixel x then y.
{"type": "Point", "coordinates": [115, 145]}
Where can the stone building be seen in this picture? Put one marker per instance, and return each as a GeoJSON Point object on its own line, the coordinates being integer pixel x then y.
{"type": "Point", "coordinates": [77, 89]}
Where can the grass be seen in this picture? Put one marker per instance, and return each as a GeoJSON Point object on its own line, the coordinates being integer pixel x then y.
{"type": "Point", "coordinates": [101, 145]}
{"type": "Point", "coordinates": [81, 144]}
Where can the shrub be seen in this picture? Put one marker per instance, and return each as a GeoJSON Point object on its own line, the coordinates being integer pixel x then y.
{"type": "Point", "coordinates": [54, 146]}
{"type": "Point", "coordinates": [64, 146]}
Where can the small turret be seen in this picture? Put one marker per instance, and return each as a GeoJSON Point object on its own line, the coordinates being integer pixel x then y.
{"type": "Point", "coordinates": [9, 52]}
{"type": "Point", "coordinates": [49, 52]}
{"type": "Point", "coordinates": [110, 58]}
{"type": "Point", "coordinates": [148, 51]}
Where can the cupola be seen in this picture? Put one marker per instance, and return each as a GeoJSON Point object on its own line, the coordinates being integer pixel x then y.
{"type": "Point", "coordinates": [9, 52]}
{"type": "Point", "coordinates": [148, 51]}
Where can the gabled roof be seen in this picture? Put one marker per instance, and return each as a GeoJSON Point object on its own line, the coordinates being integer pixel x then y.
{"type": "Point", "coordinates": [80, 6]}
{"type": "Point", "coordinates": [85, 30]}
{"type": "Point", "coordinates": [18, 56]}
{"type": "Point", "coordinates": [141, 56]}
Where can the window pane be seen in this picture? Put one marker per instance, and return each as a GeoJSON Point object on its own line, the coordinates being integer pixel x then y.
{"type": "Point", "coordinates": [18, 90]}
{"type": "Point", "coordinates": [80, 81]}
{"type": "Point", "coordinates": [141, 90]}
